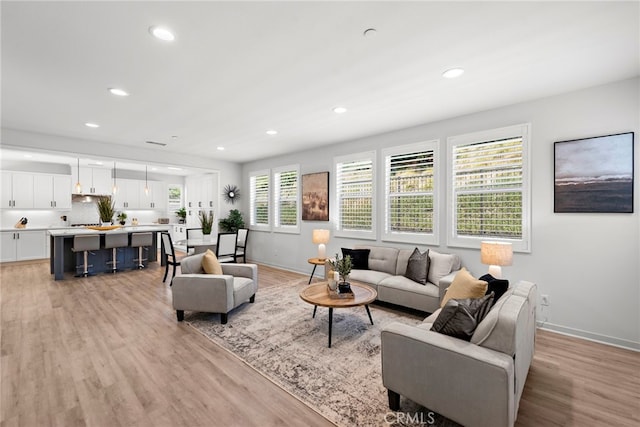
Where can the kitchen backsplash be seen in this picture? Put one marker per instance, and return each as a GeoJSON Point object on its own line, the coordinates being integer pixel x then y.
{"type": "Point", "coordinates": [80, 213]}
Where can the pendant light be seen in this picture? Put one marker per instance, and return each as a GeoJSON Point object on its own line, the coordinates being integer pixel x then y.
{"type": "Point", "coordinates": [146, 181]}
{"type": "Point", "coordinates": [115, 188]}
{"type": "Point", "coordinates": [78, 185]}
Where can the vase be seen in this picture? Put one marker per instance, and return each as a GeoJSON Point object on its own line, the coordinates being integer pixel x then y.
{"type": "Point", "coordinates": [333, 285]}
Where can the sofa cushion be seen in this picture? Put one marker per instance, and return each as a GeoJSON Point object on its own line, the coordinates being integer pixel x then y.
{"type": "Point", "coordinates": [497, 286]}
{"type": "Point", "coordinates": [381, 258]}
{"type": "Point", "coordinates": [404, 284]}
{"type": "Point", "coordinates": [210, 263]}
{"type": "Point", "coordinates": [440, 265]}
{"type": "Point", "coordinates": [359, 258]}
{"type": "Point", "coordinates": [498, 330]}
{"type": "Point", "coordinates": [418, 266]}
{"type": "Point", "coordinates": [464, 285]}
{"type": "Point", "coordinates": [403, 260]}
{"type": "Point", "coordinates": [372, 277]}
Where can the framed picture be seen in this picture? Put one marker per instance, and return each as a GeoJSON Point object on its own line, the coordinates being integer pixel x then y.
{"type": "Point", "coordinates": [594, 174]}
{"type": "Point", "coordinates": [315, 196]}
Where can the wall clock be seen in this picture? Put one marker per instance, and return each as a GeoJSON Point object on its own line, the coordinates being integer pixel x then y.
{"type": "Point", "coordinates": [231, 193]}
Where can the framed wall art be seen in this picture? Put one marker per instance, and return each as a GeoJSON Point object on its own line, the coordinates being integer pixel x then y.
{"type": "Point", "coordinates": [315, 196]}
{"type": "Point", "coordinates": [594, 174]}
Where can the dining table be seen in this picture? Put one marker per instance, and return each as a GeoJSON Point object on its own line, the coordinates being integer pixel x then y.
{"type": "Point", "coordinates": [199, 244]}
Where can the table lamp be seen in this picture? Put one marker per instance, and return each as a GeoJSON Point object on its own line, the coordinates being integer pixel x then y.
{"type": "Point", "coordinates": [496, 254]}
{"type": "Point", "coordinates": [321, 238]}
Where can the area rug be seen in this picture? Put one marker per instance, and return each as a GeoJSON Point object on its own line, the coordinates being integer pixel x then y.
{"type": "Point", "coordinates": [278, 337]}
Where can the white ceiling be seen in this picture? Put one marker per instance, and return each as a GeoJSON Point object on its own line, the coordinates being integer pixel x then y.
{"type": "Point", "coordinates": [237, 69]}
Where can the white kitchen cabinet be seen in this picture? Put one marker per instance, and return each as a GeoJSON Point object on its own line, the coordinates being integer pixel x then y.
{"type": "Point", "coordinates": [178, 232]}
{"type": "Point", "coordinates": [128, 194]}
{"type": "Point", "coordinates": [22, 245]}
{"type": "Point", "coordinates": [17, 190]}
{"type": "Point", "coordinates": [156, 197]}
{"type": "Point", "coordinates": [51, 191]}
{"type": "Point", "coordinates": [201, 195]}
{"type": "Point", "coordinates": [93, 180]}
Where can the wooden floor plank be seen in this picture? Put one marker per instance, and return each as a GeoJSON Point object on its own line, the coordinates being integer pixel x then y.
{"type": "Point", "coordinates": [108, 351]}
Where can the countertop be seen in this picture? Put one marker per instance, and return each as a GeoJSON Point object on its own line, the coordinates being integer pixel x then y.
{"type": "Point", "coordinates": [62, 227]}
{"type": "Point", "coordinates": [74, 231]}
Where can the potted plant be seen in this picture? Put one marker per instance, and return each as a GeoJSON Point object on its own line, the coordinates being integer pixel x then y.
{"type": "Point", "coordinates": [106, 210]}
{"type": "Point", "coordinates": [343, 267]}
{"type": "Point", "coordinates": [206, 221]}
{"type": "Point", "coordinates": [122, 217]}
{"type": "Point", "coordinates": [232, 222]}
{"type": "Point", "coordinates": [182, 214]}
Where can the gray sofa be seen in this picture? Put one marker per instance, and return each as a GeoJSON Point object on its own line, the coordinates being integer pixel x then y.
{"type": "Point", "coordinates": [387, 266]}
{"type": "Point", "coordinates": [477, 383]}
{"type": "Point", "coordinates": [193, 290]}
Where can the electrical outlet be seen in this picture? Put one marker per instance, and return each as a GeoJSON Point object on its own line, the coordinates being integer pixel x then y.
{"type": "Point", "coordinates": [544, 300]}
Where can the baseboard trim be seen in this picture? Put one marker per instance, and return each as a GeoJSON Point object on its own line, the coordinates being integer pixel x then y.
{"type": "Point", "coordinates": [590, 336]}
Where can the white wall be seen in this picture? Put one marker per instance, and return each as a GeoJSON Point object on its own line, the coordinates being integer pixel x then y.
{"type": "Point", "coordinates": [588, 264]}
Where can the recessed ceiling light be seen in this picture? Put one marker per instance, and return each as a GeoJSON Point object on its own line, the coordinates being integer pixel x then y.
{"type": "Point", "coordinates": [173, 168]}
{"type": "Point", "coordinates": [28, 156]}
{"type": "Point", "coordinates": [220, 148]}
{"type": "Point", "coordinates": [117, 92]}
{"type": "Point", "coordinates": [162, 33]}
{"type": "Point", "coordinates": [339, 110]}
{"type": "Point", "coordinates": [272, 132]}
{"type": "Point", "coordinates": [452, 73]}
{"type": "Point", "coordinates": [370, 33]}
{"type": "Point", "coordinates": [92, 125]}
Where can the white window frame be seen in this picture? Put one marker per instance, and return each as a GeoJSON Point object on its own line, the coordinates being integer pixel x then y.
{"type": "Point", "coordinates": [412, 237]}
{"type": "Point", "coordinates": [277, 227]}
{"type": "Point", "coordinates": [371, 234]}
{"type": "Point", "coordinates": [522, 130]}
{"type": "Point", "coordinates": [252, 199]}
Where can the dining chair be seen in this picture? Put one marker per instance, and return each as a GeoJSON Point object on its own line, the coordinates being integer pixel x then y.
{"type": "Point", "coordinates": [241, 245]}
{"type": "Point", "coordinates": [226, 247]}
{"type": "Point", "coordinates": [193, 233]}
{"type": "Point", "coordinates": [169, 255]}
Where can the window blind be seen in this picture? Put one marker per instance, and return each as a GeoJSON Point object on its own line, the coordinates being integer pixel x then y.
{"type": "Point", "coordinates": [354, 186]}
{"type": "Point", "coordinates": [259, 199]}
{"type": "Point", "coordinates": [410, 185]}
{"type": "Point", "coordinates": [488, 188]}
{"type": "Point", "coordinates": [286, 203]}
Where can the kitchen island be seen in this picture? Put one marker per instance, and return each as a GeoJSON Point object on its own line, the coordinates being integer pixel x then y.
{"type": "Point", "coordinates": [63, 259]}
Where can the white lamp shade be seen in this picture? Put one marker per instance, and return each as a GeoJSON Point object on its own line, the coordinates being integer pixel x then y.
{"type": "Point", "coordinates": [496, 254]}
{"type": "Point", "coordinates": [321, 238]}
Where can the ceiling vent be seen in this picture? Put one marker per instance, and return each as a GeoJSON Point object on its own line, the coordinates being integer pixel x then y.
{"type": "Point", "coordinates": [162, 144]}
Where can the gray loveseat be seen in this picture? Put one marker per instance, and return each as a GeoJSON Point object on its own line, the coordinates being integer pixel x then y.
{"type": "Point", "coordinates": [387, 266]}
{"type": "Point", "coordinates": [477, 383]}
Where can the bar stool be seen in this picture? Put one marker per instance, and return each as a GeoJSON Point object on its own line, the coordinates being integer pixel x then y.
{"type": "Point", "coordinates": [114, 241]}
{"type": "Point", "coordinates": [141, 241]}
{"type": "Point", "coordinates": [85, 243]}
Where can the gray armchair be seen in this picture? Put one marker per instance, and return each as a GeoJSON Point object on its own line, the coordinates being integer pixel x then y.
{"type": "Point", "coordinates": [193, 290]}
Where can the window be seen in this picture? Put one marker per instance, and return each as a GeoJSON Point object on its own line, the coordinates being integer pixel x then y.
{"type": "Point", "coordinates": [355, 195]}
{"type": "Point", "coordinates": [259, 200]}
{"type": "Point", "coordinates": [489, 183]}
{"type": "Point", "coordinates": [410, 193]}
{"type": "Point", "coordinates": [286, 190]}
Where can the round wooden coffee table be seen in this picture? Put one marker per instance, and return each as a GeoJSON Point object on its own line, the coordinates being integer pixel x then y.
{"type": "Point", "coordinates": [318, 295]}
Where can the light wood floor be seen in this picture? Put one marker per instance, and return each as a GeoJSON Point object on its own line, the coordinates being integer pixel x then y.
{"type": "Point", "coordinates": [107, 351]}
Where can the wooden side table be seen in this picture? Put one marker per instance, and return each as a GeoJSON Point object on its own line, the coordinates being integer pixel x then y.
{"type": "Point", "coordinates": [316, 262]}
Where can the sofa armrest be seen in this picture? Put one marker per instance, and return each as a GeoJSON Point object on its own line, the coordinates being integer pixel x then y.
{"type": "Point", "coordinates": [249, 271]}
{"type": "Point", "coordinates": [467, 383]}
{"type": "Point", "coordinates": [203, 292]}
{"type": "Point", "coordinates": [445, 282]}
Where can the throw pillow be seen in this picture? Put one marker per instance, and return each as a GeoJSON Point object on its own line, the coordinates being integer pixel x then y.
{"type": "Point", "coordinates": [464, 285]}
{"type": "Point", "coordinates": [210, 263]}
{"type": "Point", "coordinates": [359, 258]}
{"type": "Point", "coordinates": [459, 317]}
{"type": "Point", "coordinates": [497, 286]}
{"type": "Point", "coordinates": [456, 320]}
{"type": "Point", "coordinates": [418, 266]}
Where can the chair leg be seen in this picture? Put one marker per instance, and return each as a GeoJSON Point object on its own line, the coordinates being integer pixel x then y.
{"type": "Point", "coordinates": [180, 315]}
{"type": "Point", "coordinates": [224, 317]}
{"type": "Point", "coordinates": [394, 400]}
{"type": "Point", "coordinates": [252, 299]}
{"type": "Point", "coordinates": [166, 270]}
